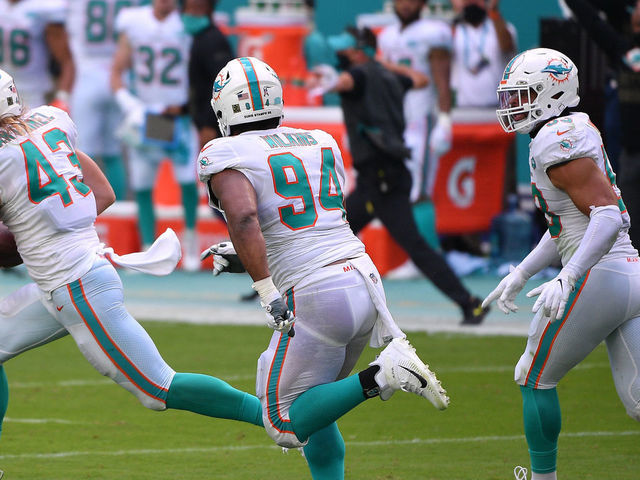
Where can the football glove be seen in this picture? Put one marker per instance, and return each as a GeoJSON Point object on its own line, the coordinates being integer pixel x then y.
{"type": "Point", "coordinates": [326, 78]}
{"type": "Point", "coordinates": [225, 258]}
{"type": "Point", "coordinates": [441, 135]}
{"type": "Point", "coordinates": [279, 317]}
{"type": "Point", "coordinates": [507, 290]}
{"type": "Point", "coordinates": [553, 295]}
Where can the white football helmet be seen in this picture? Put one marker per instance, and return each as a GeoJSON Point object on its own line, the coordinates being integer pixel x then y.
{"type": "Point", "coordinates": [10, 103]}
{"type": "Point", "coordinates": [246, 90]}
{"type": "Point", "coordinates": [537, 84]}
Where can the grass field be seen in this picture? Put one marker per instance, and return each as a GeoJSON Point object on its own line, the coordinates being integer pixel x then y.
{"type": "Point", "coordinates": [67, 422]}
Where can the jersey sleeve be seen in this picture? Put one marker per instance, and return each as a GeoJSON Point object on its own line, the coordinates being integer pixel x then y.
{"type": "Point", "coordinates": [563, 140]}
{"type": "Point", "coordinates": [54, 11]}
{"type": "Point", "coordinates": [440, 35]}
{"type": "Point", "coordinates": [216, 156]}
{"type": "Point", "coordinates": [125, 19]}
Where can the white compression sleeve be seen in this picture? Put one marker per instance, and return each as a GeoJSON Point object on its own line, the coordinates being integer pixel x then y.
{"type": "Point", "coordinates": [540, 257]}
{"type": "Point", "coordinates": [604, 224]}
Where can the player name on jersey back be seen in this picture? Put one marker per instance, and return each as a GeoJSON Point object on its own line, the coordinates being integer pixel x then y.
{"type": "Point", "coordinates": [288, 140]}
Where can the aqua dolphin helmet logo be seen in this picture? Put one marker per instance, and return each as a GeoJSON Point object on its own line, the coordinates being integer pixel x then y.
{"type": "Point", "coordinates": [219, 84]}
{"type": "Point", "coordinates": [558, 69]}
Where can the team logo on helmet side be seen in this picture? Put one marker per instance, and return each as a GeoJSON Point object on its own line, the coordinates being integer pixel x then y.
{"type": "Point", "coordinates": [558, 69]}
{"type": "Point", "coordinates": [512, 65]}
{"type": "Point", "coordinates": [219, 84]}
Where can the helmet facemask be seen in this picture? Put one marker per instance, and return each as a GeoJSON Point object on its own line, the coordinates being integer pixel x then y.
{"type": "Point", "coordinates": [519, 109]}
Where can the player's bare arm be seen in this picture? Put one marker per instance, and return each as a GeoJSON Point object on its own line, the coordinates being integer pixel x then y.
{"type": "Point", "coordinates": [584, 182]}
{"type": "Point", "coordinates": [440, 61]}
{"type": "Point", "coordinates": [121, 62]}
{"type": "Point", "coordinates": [95, 179]}
{"type": "Point", "coordinates": [419, 79]}
{"type": "Point", "coordinates": [238, 200]}
{"type": "Point", "coordinates": [58, 44]}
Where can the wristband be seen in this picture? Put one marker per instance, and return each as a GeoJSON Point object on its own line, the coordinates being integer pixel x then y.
{"type": "Point", "coordinates": [62, 96]}
{"type": "Point", "coordinates": [267, 290]}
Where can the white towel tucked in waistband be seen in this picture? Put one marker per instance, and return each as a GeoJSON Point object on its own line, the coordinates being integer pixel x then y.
{"type": "Point", "coordinates": [160, 259]}
{"type": "Point", "coordinates": [385, 328]}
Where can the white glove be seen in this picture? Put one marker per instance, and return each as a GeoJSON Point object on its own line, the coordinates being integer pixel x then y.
{"type": "Point", "coordinates": [441, 135]}
{"type": "Point", "coordinates": [327, 79]}
{"type": "Point", "coordinates": [554, 295]}
{"type": "Point", "coordinates": [130, 130]}
{"type": "Point", "coordinates": [225, 258]}
{"type": "Point", "coordinates": [507, 290]}
{"type": "Point", "coordinates": [279, 317]}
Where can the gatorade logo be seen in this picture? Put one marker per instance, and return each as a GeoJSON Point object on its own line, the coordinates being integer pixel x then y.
{"type": "Point", "coordinates": [461, 186]}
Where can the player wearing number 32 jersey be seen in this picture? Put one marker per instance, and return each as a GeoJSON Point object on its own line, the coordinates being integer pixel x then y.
{"type": "Point", "coordinates": [281, 190]}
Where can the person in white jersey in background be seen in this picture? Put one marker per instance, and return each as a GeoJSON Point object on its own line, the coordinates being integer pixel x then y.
{"type": "Point", "coordinates": [281, 191]}
{"type": "Point", "coordinates": [31, 31]}
{"type": "Point", "coordinates": [483, 43]}
{"type": "Point", "coordinates": [92, 35]}
{"type": "Point", "coordinates": [595, 296]}
{"type": "Point", "coordinates": [422, 44]}
{"type": "Point", "coordinates": [50, 195]}
{"type": "Point", "coordinates": [154, 47]}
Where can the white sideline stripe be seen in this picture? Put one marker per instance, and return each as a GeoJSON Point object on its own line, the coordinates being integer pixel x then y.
{"type": "Point", "coordinates": [414, 441]}
{"type": "Point", "coordinates": [40, 420]}
{"type": "Point", "coordinates": [234, 378]}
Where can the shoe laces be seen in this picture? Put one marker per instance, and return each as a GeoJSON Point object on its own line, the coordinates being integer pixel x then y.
{"type": "Point", "coordinates": [520, 473]}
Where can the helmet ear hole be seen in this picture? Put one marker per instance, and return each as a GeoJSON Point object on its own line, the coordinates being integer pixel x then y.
{"type": "Point", "coordinates": [219, 114]}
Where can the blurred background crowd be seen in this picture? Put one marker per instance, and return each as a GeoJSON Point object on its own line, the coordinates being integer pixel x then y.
{"type": "Point", "coordinates": [143, 110]}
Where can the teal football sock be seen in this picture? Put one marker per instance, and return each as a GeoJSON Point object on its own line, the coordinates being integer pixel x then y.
{"type": "Point", "coordinates": [190, 204]}
{"type": "Point", "coordinates": [325, 454]}
{"type": "Point", "coordinates": [424, 213]}
{"type": "Point", "coordinates": [322, 405]}
{"type": "Point", "coordinates": [542, 424]}
{"type": "Point", "coordinates": [115, 172]}
{"type": "Point", "coordinates": [4, 395]}
{"type": "Point", "coordinates": [146, 217]}
{"type": "Point", "coordinates": [213, 397]}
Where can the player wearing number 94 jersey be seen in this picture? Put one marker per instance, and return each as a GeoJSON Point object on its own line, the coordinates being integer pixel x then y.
{"type": "Point", "coordinates": [281, 190]}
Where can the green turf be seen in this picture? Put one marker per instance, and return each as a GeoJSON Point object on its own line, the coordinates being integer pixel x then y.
{"type": "Point", "coordinates": [97, 430]}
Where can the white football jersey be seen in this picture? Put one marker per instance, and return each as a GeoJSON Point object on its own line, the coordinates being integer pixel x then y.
{"type": "Point", "coordinates": [411, 46]}
{"type": "Point", "coordinates": [160, 51]}
{"type": "Point", "coordinates": [299, 179]}
{"type": "Point", "coordinates": [23, 48]}
{"type": "Point", "coordinates": [561, 140]}
{"type": "Point", "coordinates": [92, 33]}
{"type": "Point", "coordinates": [43, 202]}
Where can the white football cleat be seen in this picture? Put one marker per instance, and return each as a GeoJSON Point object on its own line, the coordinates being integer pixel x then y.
{"type": "Point", "coordinates": [401, 369]}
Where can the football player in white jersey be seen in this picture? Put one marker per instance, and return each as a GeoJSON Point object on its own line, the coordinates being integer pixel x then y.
{"type": "Point", "coordinates": [595, 296]}
{"type": "Point", "coordinates": [92, 35]}
{"type": "Point", "coordinates": [153, 46]}
{"type": "Point", "coordinates": [281, 191]}
{"type": "Point", "coordinates": [423, 44]}
{"type": "Point", "coordinates": [50, 195]}
{"type": "Point", "coordinates": [30, 30]}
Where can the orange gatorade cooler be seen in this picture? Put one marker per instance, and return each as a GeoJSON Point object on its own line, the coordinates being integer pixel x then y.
{"type": "Point", "coordinates": [274, 31]}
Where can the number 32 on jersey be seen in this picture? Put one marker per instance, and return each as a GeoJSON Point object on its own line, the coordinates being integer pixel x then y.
{"type": "Point", "coordinates": [290, 181]}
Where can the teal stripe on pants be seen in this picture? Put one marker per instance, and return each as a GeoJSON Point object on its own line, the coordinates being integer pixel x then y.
{"type": "Point", "coordinates": [108, 345]}
{"type": "Point", "coordinates": [549, 336]}
{"type": "Point", "coordinates": [278, 422]}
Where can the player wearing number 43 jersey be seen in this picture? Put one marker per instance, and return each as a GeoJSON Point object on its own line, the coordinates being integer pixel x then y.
{"type": "Point", "coordinates": [595, 297]}
{"type": "Point", "coordinates": [50, 194]}
{"type": "Point", "coordinates": [281, 190]}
